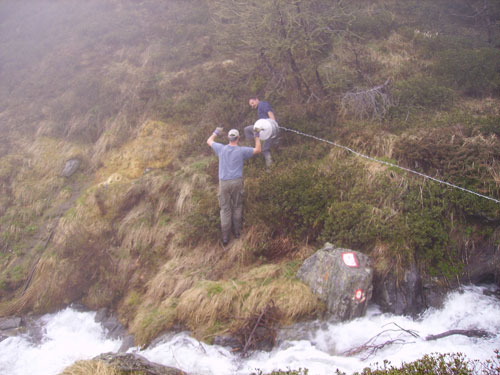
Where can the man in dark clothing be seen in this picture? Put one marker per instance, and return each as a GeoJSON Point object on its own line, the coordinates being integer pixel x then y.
{"type": "Point", "coordinates": [264, 111]}
{"type": "Point", "coordinates": [231, 158]}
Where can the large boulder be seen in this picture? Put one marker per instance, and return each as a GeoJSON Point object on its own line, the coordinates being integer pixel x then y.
{"type": "Point", "coordinates": [342, 278]}
{"type": "Point", "coordinates": [70, 167]}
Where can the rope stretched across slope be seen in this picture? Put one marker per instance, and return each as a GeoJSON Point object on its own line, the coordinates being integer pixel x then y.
{"type": "Point", "coordinates": [391, 164]}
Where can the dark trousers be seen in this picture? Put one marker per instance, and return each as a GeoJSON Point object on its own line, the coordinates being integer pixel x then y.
{"type": "Point", "coordinates": [231, 206]}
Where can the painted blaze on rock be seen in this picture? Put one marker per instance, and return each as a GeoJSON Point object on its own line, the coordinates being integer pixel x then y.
{"type": "Point", "coordinates": [342, 278]}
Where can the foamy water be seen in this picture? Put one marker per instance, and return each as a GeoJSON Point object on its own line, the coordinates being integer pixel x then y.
{"type": "Point", "coordinates": [71, 335]}
{"type": "Point", "coordinates": [68, 336]}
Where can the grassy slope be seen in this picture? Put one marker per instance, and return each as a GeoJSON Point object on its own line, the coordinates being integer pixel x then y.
{"type": "Point", "coordinates": [134, 91]}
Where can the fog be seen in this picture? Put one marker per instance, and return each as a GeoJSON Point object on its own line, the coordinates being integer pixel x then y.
{"type": "Point", "coordinates": [71, 61]}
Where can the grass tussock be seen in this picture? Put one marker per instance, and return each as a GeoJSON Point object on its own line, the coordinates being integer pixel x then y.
{"type": "Point", "coordinates": [209, 307]}
{"type": "Point", "coordinates": [91, 367]}
{"type": "Point", "coordinates": [54, 285]}
{"type": "Point", "coordinates": [152, 320]}
{"type": "Point", "coordinates": [154, 146]}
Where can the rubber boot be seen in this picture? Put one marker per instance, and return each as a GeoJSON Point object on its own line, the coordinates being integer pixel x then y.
{"type": "Point", "coordinates": [268, 159]}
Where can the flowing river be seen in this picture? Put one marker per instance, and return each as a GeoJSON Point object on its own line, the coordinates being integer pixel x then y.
{"type": "Point", "coordinates": [69, 335]}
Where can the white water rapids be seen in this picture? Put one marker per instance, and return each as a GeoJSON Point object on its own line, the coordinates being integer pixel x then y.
{"type": "Point", "coordinates": [70, 335]}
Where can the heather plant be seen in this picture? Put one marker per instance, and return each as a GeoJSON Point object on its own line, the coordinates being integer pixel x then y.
{"type": "Point", "coordinates": [376, 24]}
{"type": "Point", "coordinates": [475, 72]}
{"type": "Point", "coordinates": [422, 92]}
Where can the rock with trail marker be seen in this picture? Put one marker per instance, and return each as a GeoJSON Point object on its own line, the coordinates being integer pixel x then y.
{"type": "Point", "coordinates": [341, 278]}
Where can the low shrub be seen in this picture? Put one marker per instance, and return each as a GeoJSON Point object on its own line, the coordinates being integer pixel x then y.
{"type": "Point", "coordinates": [426, 215]}
{"type": "Point", "coordinates": [435, 363]}
{"type": "Point", "coordinates": [423, 92]}
{"type": "Point", "coordinates": [356, 224]}
{"type": "Point", "coordinates": [378, 24]}
{"type": "Point", "coordinates": [203, 222]}
{"type": "Point", "coordinates": [489, 125]}
{"type": "Point", "coordinates": [293, 201]}
{"type": "Point", "coordinates": [475, 72]}
{"type": "Point", "coordinates": [452, 155]}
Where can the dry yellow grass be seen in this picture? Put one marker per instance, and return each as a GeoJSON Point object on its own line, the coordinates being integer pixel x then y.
{"type": "Point", "coordinates": [483, 106]}
{"type": "Point", "coordinates": [92, 367]}
{"type": "Point", "coordinates": [49, 288]}
{"type": "Point", "coordinates": [154, 146]}
{"type": "Point", "coordinates": [209, 307]}
{"type": "Point", "coordinates": [397, 53]}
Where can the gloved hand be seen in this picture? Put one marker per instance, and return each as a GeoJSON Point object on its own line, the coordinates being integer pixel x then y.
{"type": "Point", "coordinates": [218, 130]}
{"type": "Point", "coordinates": [256, 131]}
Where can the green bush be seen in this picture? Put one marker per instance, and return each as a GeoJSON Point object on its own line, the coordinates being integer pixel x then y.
{"type": "Point", "coordinates": [435, 363]}
{"type": "Point", "coordinates": [423, 92]}
{"type": "Point", "coordinates": [475, 72]}
{"type": "Point", "coordinates": [441, 364]}
{"type": "Point", "coordinates": [428, 226]}
{"type": "Point", "coordinates": [489, 125]}
{"type": "Point", "coordinates": [294, 200]}
{"type": "Point", "coordinates": [350, 224]}
{"type": "Point", "coordinates": [378, 24]}
{"type": "Point", "coordinates": [203, 223]}
{"type": "Point", "coordinates": [454, 156]}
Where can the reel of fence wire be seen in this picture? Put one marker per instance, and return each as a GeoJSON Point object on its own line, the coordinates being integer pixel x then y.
{"type": "Point", "coordinates": [268, 128]}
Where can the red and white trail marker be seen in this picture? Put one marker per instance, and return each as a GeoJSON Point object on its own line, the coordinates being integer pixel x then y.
{"type": "Point", "coordinates": [349, 259]}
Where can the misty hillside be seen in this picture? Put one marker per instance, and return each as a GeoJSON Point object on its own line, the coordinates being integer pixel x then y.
{"type": "Point", "coordinates": [132, 90]}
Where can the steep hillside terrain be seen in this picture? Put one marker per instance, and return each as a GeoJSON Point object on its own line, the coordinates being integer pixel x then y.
{"type": "Point", "coordinates": [133, 89]}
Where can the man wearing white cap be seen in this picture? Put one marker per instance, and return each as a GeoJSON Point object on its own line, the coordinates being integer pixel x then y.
{"type": "Point", "coordinates": [231, 158]}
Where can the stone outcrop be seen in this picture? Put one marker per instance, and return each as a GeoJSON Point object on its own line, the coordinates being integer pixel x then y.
{"type": "Point", "coordinates": [114, 328]}
{"type": "Point", "coordinates": [10, 323]}
{"type": "Point", "coordinates": [342, 278]}
{"type": "Point", "coordinates": [71, 167]}
{"type": "Point", "coordinates": [483, 266]}
{"type": "Point", "coordinates": [10, 326]}
{"type": "Point", "coordinates": [135, 364]}
{"type": "Point", "coordinates": [400, 296]}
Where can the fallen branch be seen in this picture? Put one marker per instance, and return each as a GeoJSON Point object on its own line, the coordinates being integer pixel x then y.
{"type": "Point", "coordinates": [464, 332]}
{"type": "Point", "coordinates": [371, 348]}
{"type": "Point", "coordinates": [258, 331]}
{"type": "Point", "coordinates": [249, 340]}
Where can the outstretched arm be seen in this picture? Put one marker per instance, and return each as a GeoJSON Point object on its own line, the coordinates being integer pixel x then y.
{"type": "Point", "coordinates": [271, 115]}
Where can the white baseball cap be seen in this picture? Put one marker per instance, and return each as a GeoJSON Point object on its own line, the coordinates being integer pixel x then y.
{"type": "Point", "coordinates": [233, 134]}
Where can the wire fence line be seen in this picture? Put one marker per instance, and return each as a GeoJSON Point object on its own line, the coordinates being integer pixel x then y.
{"type": "Point", "coordinates": [390, 164]}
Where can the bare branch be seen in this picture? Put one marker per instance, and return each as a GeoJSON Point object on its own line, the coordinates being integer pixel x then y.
{"type": "Point", "coordinates": [464, 332]}
{"type": "Point", "coordinates": [369, 103]}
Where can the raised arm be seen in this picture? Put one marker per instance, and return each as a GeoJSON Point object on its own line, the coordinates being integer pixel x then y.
{"type": "Point", "coordinates": [211, 139]}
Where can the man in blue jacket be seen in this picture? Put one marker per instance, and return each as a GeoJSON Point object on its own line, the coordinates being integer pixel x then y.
{"type": "Point", "coordinates": [264, 111]}
{"type": "Point", "coordinates": [231, 158]}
